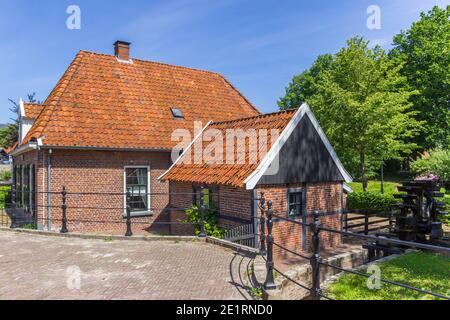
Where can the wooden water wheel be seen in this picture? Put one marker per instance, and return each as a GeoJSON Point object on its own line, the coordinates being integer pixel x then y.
{"type": "Point", "coordinates": [418, 217]}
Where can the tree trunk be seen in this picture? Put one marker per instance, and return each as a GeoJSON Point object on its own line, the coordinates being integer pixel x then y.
{"type": "Point", "coordinates": [362, 167]}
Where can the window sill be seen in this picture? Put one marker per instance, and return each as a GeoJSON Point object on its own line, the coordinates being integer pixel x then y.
{"type": "Point", "coordinates": [138, 214]}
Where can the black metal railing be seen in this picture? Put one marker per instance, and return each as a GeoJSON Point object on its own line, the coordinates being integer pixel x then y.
{"type": "Point", "coordinates": [97, 211]}
{"type": "Point", "coordinates": [315, 259]}
{"type": "Point", "coordinates": [74, 210]}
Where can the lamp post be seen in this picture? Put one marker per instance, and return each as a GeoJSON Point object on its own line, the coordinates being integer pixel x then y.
{"type": "Point", "coordinates": [382, 176]}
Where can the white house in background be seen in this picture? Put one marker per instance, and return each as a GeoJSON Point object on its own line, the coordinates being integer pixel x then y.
{"type": "Point", "coordinates": [28, 112]}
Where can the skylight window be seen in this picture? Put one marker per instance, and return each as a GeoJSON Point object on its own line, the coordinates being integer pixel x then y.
{"type": "Point", "coordinates": [177, 113]}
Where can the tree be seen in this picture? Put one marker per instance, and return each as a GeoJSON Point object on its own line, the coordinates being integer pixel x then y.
{"type": "Point", "coordinates": [424, 52]}
{"type": "Point", "coordinates": [436, 162]}
{"type": "Point", "coordinates": [10, 134]}
{"type": "Point", "coordinates": [362, 102]}
{"type": "Point", "coordinates": [302, 86]}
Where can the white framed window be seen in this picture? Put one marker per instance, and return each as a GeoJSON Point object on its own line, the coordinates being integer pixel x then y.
{"type": "Point", "coordinates": [137, 183]}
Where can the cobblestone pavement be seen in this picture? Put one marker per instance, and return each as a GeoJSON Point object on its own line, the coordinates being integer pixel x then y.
{"type": "Point", "coordinates": [41, 267]}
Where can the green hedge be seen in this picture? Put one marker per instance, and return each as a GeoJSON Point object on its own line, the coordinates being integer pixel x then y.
{"type": "Point", "coordinates": [370, 201]}
{"type": "Point", "coordinates": [5, 196]}
{"type": "Point", "coordinates": [446, 219]}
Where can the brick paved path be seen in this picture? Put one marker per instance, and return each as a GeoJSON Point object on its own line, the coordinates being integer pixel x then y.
{"type": "Point", "coordinates": [40, 267]}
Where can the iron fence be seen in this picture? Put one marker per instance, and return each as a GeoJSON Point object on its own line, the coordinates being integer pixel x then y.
{"type": "Point", "coordinates": [243, 235]}
{"type": "Point", "coordinates": [68, 211]}
{"type": "Point", "coordinates": [267, 242]}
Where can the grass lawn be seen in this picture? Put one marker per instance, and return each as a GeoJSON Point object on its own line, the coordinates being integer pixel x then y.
{"type": "Point", "coordinates": [421, 270]}
{"type": "Point", "coordinates": [375, 186]}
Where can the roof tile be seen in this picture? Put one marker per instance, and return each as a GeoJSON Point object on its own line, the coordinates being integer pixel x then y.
{"type": "Point", "coordinates": [235, 173]}
{"type": "Point", "coordinates": [100, 102]}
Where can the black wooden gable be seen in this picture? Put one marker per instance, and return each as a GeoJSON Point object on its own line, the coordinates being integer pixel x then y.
{"type": "Point", "coordinates": [304, 158]}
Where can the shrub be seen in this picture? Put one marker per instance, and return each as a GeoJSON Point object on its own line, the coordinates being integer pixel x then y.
{"type": "Point", "coordinates": [446, 218]}
{"type": "Point", "coordinates": [370, 200]}
{"type": "Point", "coordinates": [436, 162]}
{"type": "Point", "coordinates": [5, 196]}
{"type": "Point", "coordinates": [29, 226]}
{"type": "Point", "coordinates": [5, 175]}
{"type": "Point", "coordinates": [210, 219]}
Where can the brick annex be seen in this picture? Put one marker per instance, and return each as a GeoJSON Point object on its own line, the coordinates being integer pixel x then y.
{"type": "Point", "coordinates": [106, 128]}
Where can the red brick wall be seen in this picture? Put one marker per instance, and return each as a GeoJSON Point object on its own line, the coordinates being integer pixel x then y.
{"type": "Point", "coordinates": [323, 197]}
{"type": "Point", "coordinates": [233, 202]}
{"type": "Point", "coordinates": [98, 172]}
{"type": "Point", "coordinates": [103, 172]}
{"type": "Point", "coordinates": [180, 198]}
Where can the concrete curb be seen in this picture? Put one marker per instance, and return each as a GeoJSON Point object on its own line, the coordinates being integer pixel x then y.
{"type": "Point", "coordinates": [105, 237]}
{"type": "Point", "coordinates": [211, 240]}
{"type": "Point", "coordinates": [233, 246]}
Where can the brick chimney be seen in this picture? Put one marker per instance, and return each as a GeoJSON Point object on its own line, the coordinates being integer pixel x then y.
{"type": "Point", "coordinates": [122, 50]}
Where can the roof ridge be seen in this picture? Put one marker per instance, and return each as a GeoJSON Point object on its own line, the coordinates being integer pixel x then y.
{"type": "Point", "coordinates": [254, 117]}
{"type": "Point", "coordinates": [156, 62]}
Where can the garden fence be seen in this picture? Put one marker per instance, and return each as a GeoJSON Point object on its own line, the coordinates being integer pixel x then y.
{"type": "Point", "coordinates": [267, 242]}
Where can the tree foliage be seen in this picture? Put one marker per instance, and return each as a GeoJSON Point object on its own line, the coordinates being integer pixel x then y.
{"type": "Point", "coordinates": [303, 86]}
{"type": "Point", "coordinates": [10, 134]}
{"type": "Point", "coordinates": [374, 105]}
{"type": "Point", "coordinates": [436, 162]}
{"type": "Point", "coordinates": [362, 102]}
{"type": "Point", "coordinates": [424, 52]}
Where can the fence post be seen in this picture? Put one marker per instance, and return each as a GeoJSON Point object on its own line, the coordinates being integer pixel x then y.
{"type": "Point", "coordinates": [202, 214]}
{"type": "Point", "coordinates": [13, 196]}
{"type": "Point", "coordinates": [129, 233]}
{"type": "Point", "coordinates": [262, 225]}
{"type": "Point", "coordinates": [315, 258]}
{"type": "Point", "coordinates": [64, 211]}
{"type": "Point", "coordinates": [269, 283]}
{"type": "Point", "coordinates": [346, 222]}
{"type": "Point", "coordinates": [366, 223]}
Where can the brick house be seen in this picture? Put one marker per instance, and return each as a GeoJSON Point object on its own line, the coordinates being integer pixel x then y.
{"type": "Point", "coordinates": [107, 127]}
{"type": "Point", "coordinates": [288, 157]}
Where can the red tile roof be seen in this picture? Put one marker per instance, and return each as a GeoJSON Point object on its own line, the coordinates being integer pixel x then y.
{"type": "Point", "coordinates": [186, 169]}
{"type": "Point", "coordinates": [100, 102]}
{"type": "Point", "coordinates": [32, 110]}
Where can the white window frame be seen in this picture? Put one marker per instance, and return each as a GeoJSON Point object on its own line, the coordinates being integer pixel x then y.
{"type": "Point", "coordinates": [137, 213]}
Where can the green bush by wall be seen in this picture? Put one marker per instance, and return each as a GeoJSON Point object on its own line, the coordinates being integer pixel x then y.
{"type": "Point", "coordinates": [370, 201]}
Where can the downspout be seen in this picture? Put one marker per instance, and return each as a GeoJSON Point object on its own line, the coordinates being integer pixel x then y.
{"type": "Point", "coordinates": [254, 209]}
{"type": "Point", "coordinates": [49, 201]}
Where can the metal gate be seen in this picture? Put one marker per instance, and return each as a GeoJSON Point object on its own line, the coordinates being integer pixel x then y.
{"type": "Point", "coordinates": [243, 235]}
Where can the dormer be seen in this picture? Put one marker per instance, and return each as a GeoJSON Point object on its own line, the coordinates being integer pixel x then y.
{"type": "Point", "coordinates": [28, 112]}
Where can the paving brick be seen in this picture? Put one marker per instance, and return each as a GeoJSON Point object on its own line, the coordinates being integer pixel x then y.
{"type": "Point", "coordinates": [35, 267]}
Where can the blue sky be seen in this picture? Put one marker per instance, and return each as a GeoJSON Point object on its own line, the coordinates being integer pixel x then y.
{"type": "Point", "coordinates": [257, 44]}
